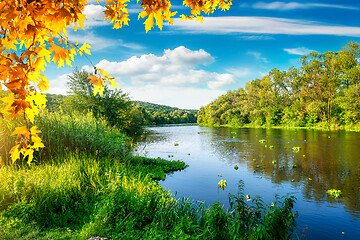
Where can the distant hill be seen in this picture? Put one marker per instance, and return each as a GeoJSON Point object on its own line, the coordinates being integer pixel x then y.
{"type": "Point", "coordinates": [155, 114]}
{"type": "Point", "coordinates": [153, 107]}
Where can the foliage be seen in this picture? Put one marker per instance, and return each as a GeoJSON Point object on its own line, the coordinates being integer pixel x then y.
{"type": "Point", "coordinates": [323, 92]}
{"type": "Point", "coordinates": [113, 105]}
{"type": "Point", "coordinates": [155, 114]}
{"type": "Point", "coordinates": [34, 33]}
{"type": "Point", "coordinates": [139, 114]}
{"type": "Point", "coordinates": [54, 102]}
{"type": "Point", "coordinates": [334, 193]}
{"type": "Point", "coordinates": [222, 184]}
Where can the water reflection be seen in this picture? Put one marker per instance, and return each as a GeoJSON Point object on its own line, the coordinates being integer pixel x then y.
{"type": "Point", "coordinates": [326, 160]}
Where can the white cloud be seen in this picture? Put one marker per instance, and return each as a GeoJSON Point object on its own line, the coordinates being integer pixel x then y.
{"type": "Point", "coordinates": [181, 97]}
{"type": "Point", "coordinates": [258, 56]}
{"type": "Point", "coordinates": [172, 78]}
{"type": "Point", "coordinates": [256, 37]}
{"type": "Point", "coordinates": [175, 67]}
{"type": "Point", "coordinates": [264, 25]}
{"type": "Point", "coordinates": [94, 16]}
{"type": "Point", "coordinates": [239, 72]}
{"type": "Point", "coordinates": [183, 56]}
{"type": "Point", "coordinates": [97, 43]}
{"type": "Point", "coordinates": [58, 85]}
{"type": "Point", "coordinates": [298, 51]}
{"type": "Point", "coordinates": [171, 61]}
{"type": "Point", "coordinates": [296, 5]}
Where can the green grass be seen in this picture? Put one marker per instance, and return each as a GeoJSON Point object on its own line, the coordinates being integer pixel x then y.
{"type": "Point", "coordinates": [63, 133]}
{"type": "Point", "coordinates": [85, 183]}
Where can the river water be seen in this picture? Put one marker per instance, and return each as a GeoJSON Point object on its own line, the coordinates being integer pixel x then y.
{"type": "Point", "coordinates": [308, 163]}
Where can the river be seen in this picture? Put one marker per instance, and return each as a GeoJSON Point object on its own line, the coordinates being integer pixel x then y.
{"type": "Point", "coordinates": [304, 163]}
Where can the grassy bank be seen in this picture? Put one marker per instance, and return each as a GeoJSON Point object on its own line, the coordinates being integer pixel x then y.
{"type": "Point", "coordinates": [86, 184]}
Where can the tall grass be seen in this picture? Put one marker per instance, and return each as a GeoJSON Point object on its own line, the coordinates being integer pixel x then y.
{"type": "Point", "coordinates": [62, 133]}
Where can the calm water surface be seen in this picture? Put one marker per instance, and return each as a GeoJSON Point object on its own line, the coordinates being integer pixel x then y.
{"type": "Point", "coordinates": [327, 160]}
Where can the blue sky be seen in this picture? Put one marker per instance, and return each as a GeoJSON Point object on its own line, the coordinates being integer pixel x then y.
{"type": "Point", "coordinates": [189, 64]}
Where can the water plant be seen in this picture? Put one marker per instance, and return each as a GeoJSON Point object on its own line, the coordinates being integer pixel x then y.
{"type": "Point", "coordinates": [334, 193]}
{"type": "Point", "coordinates": [236, 167]}
{"type": "Point", "coordinates": [222, 184]}
{"type": "Point", "coordinates": [176, 144]}
{"type": "Point", "coordinates": [296, 149]}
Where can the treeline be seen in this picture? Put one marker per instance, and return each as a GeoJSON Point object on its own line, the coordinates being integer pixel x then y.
{"type": "Point", "coordinates": [323, 92]}
{"type": "Point", "coordinates": [154, 114]}
{"type": "Point", "coordinates": [115, 106]}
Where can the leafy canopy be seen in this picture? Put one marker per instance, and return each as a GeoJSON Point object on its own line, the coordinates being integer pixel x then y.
{"type": "Point", "coordinates": [33, 33]}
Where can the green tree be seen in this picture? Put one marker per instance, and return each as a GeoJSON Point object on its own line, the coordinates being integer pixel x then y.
{"type": "Point", "coordinates": [324, 91]}
{"type": "Point", "coordinates": [114, 105]}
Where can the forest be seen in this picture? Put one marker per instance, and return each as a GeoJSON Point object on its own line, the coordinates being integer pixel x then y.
{"type": "Point", "coordinates": [323, 92]}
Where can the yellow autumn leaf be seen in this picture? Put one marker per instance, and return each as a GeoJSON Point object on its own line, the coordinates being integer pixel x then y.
{"type": "Point", "coordinates": [15, 153]}
{"type": "Point", "coordinates": [30, 154]}
{"type": "Point", "coordinates": [113, 83]}
{"type": "Point", "coordinates": [29, 113]}
{"type": "Point", "coordinates": [85, 48]}
{"type": "Point", "coordinates": [22, 130]}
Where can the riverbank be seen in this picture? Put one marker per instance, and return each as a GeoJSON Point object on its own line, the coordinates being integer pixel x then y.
{"type": "Point", "coordinates": [86, 184]}
{"type": "Point", "coordinates": [322, 127]}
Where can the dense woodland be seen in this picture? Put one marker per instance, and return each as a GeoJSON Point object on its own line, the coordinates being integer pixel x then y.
{"type": "Point", "coordinates": [115, 106]}
{"type": "Point", "coordinates": [323, 92]}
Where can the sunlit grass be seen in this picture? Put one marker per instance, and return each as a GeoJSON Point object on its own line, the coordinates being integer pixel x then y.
{"type": "Point", "coordinates": [62, 133]}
